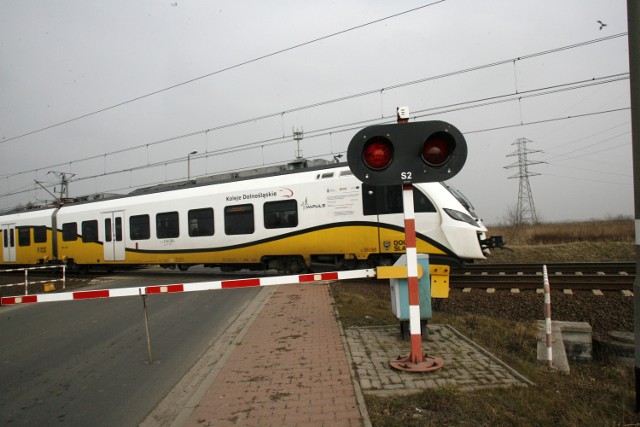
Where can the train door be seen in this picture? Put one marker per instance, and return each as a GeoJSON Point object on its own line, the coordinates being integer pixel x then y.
{"type": "Point", "coordinates": [113, 223]}
{"type": "Point", "coordinates": [9, 242]}
{"type": "Point", "coordinates": [386, 203]}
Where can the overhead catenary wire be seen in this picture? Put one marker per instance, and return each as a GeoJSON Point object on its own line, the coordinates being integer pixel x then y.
{"type": "Point", "coordinates": [356, 125]}
{"type": "Point", "coordinates": [340, 99]}
{"type": "Point", "coordinates": [482, 102]}
{"type": "Point", "coordinates": [477, 103]}
{"type": "Point", "coordinates": [279, 141]}
{"type": "Point", "coordinates": [220, 71]}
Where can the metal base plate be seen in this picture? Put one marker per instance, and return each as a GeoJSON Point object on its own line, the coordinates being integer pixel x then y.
{"type": "Point", "coordinates": [429, 364]}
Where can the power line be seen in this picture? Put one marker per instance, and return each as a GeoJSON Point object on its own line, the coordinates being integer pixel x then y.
{"type": "Point", "coordinates": [565, 156]}
{"type": "Point", "coordinates": [222, 70]}
{"type": "Point", "coordinates": [277, 141]}
{"type": "Point", "coordinates": [345, 127]}
{"type": "Point", "coordinates": [355, 125]}
{"type": "Point", "coordinates": [488, 100]}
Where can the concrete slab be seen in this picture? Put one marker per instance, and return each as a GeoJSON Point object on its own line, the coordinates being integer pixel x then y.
{"type": "Point", "coordinates": [576, 337]}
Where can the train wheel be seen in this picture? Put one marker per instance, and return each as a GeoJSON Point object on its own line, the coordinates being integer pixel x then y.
{"type": "Point", "coordinates": [296, 265]}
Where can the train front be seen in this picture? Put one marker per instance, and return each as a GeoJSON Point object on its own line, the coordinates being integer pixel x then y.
{"type": "Point", "coordinates": [459, 229]}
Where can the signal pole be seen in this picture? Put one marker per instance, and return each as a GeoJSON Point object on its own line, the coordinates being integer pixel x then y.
{"type": "Point", "coordinates": [416, 360]}
{"type": "Point", "coordinates": [633, 15]}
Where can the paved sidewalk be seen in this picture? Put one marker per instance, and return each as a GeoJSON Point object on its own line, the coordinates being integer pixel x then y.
{"type": "Point", "coordinates": [290, 365]}
{"type": "Point", "coordinates": [291, 369]}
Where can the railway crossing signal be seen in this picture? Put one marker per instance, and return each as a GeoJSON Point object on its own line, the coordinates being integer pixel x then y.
{"type": "Point", "coordinates": [405, 153]}
{"type": "Point", "coordinates": [401, 154]}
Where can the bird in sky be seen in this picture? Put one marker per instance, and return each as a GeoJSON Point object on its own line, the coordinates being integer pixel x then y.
{"type": "Point", "coordinates": [602, 24]}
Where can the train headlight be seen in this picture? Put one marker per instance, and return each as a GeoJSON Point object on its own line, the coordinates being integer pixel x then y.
{"type": "Point", "coordinates": [461, 216]}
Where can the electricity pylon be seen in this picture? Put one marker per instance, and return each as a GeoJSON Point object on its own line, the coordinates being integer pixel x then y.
{"type": "Point", "coordinates": [525, 210]}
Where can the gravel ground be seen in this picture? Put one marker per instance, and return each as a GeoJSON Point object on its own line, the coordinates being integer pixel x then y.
{"type": "Point", "coordinates": [609, 312]}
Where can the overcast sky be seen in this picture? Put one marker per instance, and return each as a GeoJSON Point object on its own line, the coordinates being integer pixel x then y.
{"type": "Point", "coordinates": [255, 64]}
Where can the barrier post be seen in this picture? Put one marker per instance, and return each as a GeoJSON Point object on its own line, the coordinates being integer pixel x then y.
{"type": "Point", "coordinates": [547, 317]}
{"type": "Point", "coordinates": [26, 281]}
{"type": "Point", "coordinates": [146, 325]}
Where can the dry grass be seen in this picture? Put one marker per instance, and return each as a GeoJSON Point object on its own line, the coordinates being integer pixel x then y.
{"type": "Point", "coordinates": [619, 230]}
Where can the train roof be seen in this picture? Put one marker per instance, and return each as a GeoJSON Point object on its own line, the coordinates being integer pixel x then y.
{"type": "Point", "coordinates": [294, 167]}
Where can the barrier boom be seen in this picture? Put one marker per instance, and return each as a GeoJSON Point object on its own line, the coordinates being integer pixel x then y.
{"type": "Point", "coordinates": [190, 287]}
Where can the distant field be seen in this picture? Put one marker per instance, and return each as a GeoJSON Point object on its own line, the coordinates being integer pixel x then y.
{"type": "Point", "coordinates": [618, 230]}
{"type": "Point", "coordinates": [588, 241]}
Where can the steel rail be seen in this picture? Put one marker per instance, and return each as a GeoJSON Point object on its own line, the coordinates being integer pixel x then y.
{"type": "Point", "coordinates": [583, 276]}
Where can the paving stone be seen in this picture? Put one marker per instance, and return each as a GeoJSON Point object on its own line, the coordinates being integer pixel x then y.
{"type": "Point", "coordinates": [467, 365]}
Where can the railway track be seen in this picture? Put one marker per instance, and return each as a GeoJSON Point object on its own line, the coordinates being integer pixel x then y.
{"type": "Point", "coordinates": [574, 276]}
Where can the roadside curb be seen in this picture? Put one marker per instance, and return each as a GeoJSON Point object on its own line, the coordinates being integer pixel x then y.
{"type": "Point", "coordinates": [354, 379]}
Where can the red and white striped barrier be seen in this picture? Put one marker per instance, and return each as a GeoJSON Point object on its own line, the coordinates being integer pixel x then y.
{"type": "Point", "coordinates": [189, 287]}
{"type": "Point", "coordinates": [547, 317]}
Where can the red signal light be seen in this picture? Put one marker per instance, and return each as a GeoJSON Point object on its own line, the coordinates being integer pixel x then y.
{"type": "Point", "coordinates": [437, 148]}
{"type": "Point", "coordinates": [377, 153]}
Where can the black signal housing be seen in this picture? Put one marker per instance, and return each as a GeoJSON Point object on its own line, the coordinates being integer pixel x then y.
{"type": "Point", "coordinates": [404, 153]}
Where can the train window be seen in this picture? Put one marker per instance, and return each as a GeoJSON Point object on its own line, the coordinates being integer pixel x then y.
{"type": "Point", "coordinates": [108, 232]}
{"type": "Point", "coordinates": [90, 231]}
{"type": "Point", "coordinates": [281, 214]}
{"type": "Point", "coordinates": [388, 200]}
{"type": "Point", "coordinates": [139, 227]}
{"type": "Point", "coordinates": [238, 219]}
{"type": "Point", "coordinates": [118, 229]}
{"type": "Point", "coordinates": [421, 202]}
{"type": "Point", "coordinates": [40, 234]}
{"type": "Point", "coordinates": [167, 225]}
{"type": "Point", "coordinates": [69, 232]}
{"type": "Point", "coordinates": [201, 222]}
{"type": "Point", "coordinates": [8, 237]}
{"type": "Point", "coordinates": [24, 236]}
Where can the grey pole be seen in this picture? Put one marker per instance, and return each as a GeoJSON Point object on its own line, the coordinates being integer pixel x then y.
{"type": "Point", "coordinates": [633, 15]}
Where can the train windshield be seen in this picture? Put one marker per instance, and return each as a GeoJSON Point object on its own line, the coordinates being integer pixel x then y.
{"type": "Point", "coordinates": [461, 198]}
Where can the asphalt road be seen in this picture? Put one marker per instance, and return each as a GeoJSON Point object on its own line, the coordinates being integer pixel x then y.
{"type": "Point", "coordinates": [83, 363]}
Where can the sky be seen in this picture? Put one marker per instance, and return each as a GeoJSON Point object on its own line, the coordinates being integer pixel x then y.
{"type": "Point", "coordinates": [115, 95]}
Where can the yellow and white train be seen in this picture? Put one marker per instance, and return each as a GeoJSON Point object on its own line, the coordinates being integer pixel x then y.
{"type": "Point", "coordinates": [316, 218]}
